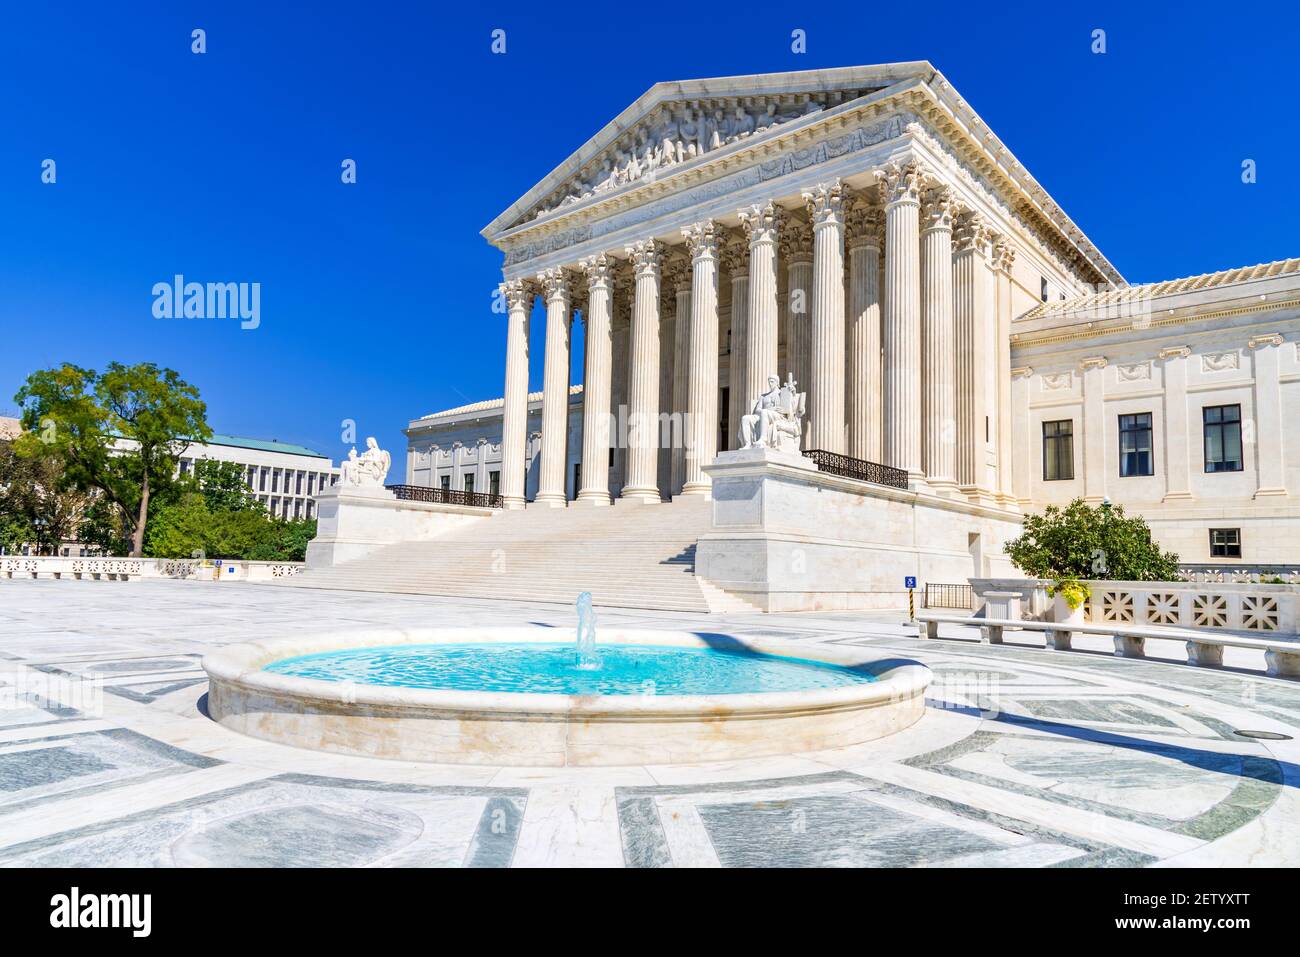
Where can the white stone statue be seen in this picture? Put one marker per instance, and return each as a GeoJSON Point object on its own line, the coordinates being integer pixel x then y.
{"type": "Point", "coordinates": [776, 419]}
{"type": "Point", "coordinates": [369, 469]}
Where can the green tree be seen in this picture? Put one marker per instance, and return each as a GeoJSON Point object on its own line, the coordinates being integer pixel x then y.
{"type": "Point", "coordinates": [223, 487]}
{"type": "Point", "coordinates": [1083, 542]}
{"type": "Point", "coordinates": [78, 415]}
{"type": "Point", "coordinates": [36, 507]}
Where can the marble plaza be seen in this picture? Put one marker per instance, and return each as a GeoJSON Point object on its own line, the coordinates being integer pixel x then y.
{"type": "Point", "coordinates": [1024, 757]}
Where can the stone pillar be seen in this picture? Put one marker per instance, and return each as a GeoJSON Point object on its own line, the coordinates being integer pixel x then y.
{"type": "Point", "coordinates": [902, 326]}
{"type": "Point", "coordinates": [825, 385]}
{"type": "Point", "coordinates": [1022, 460]}
{"type": "Point", "coordinates": [514, 412]}
{"type": "Point", "coordinates": [972, 321]}
{"type": "Point", "coordinates": [555, 389]}
{"type": "Point", "coordinates": [597, 380]}
{"type": "Point", "coordinates": [643, 376]}
{"type": "Point", "coordinates": [1094, 429]}
{"type": "Point", "coordinates": [702, 388]}
{"type": "Point", "coordinates": [938, 364]}
{"type": "Point", "coordinates": [1178, 478]}
{"type": "Point", "coordinates": [796, 248]}
{"type": "Point", "coordinates": [1270, 463]}
{"type": "Point", "coordinates": [677, 276]}
{"type": "Point", "coordinates": [866, 225]}
{"type": "Point", "coordinates": [738, 265]}
{"type": "Point", "coordinates": [1003, 259]}
{"type": "Point", "coordinates": [762, 227]}
{"type": "Point", "coordinates": [622, 350]}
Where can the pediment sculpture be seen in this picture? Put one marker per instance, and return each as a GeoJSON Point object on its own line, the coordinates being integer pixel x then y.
{"type": "Point", "coordinates": [367, 470]}
{"type": "Point", "coordinates": [776, 419]}
{"type": "Point", "coordinates": [680, 132]}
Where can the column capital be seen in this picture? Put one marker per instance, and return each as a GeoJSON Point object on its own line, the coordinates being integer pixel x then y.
{"type": "Point", "coordinates": [796, 241]}
{"type": "Point", "coordinates": [865, 222]}
{"type": "Point", "coordinates": [1092, 362]}
{"type": "Point", "coordinates": [825, 204]}
{"type": "Point", "coordinates": [902, 182]}
{"type": "Point", "coordinates": [1267, 339]}
{"type": "Point", "coordinates": [554, 283]}
{"type": "Point", "coordinates": [1004, 256]}
{"type": "Point", "coordinates": [762, 222]}
{"type": "Point", "coordinates": [675, 272]}
{"type": "Point", "coordinates": [971, 232]}
{"type": "Point", "coordinates": [735, 255]}
{"type": "Point", "coordinates": [599, 270]}
{"type": "Point", "coordinates": [702, 239]}
{"type": "Point", "coordinates": [646, 256]}
{"type": "Point", "coordinates": [1174, 352]}
{"type": "Point", "coordinates": [518, 293]}
{"type": "Point", "coordinates": [940, 207]}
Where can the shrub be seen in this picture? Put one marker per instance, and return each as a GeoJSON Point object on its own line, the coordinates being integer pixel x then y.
{"type": "Point", "coordinates": [1084, 542]}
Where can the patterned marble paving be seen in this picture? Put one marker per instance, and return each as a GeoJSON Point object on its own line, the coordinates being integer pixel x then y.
{"type": "Point", "coordinates": [1025, 758]}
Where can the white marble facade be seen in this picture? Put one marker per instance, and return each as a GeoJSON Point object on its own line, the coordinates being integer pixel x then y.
{"type": "Point", "coordinates": [864, 231]}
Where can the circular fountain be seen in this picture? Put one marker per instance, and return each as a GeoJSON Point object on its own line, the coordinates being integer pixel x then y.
{"type": "Point", "coordinates": [532, 696]}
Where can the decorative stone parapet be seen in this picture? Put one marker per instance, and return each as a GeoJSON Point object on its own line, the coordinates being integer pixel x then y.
{"type": "Point", "coordinates": [83, 568]}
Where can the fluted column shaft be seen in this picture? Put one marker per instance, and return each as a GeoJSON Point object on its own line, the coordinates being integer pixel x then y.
{"type": "Point", "coordinates": [864, 368]}
{"type": "Point", "coordinates": [826, 355]}
{"type": "Point", "coordinates": [971, 321]}
{"type": "Point", "coordinates": [902, 327]}
{"type": "Point", "coordinates": [597, 380]}
{"type": "Point", "coordinates": [762, 224]}
{"type": "Point", "coordinates": [938, 398]}
{"type": "Point", "coordinates": [643, 376]}
{"type": "Point", "coordinates": [514, 412]}
{"type": "Point", "coordinates": [738, 405]}
{"type": "Point", "coordinates": [555, 389]}
{"type": "Point", "coordinates": [702, 388]}
{"type": "Point", "coordinates": [1003, 258]}
{"type": "Point", "coordinates": [681, 376]}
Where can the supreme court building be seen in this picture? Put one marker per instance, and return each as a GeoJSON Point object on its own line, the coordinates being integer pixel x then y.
{"type": "Point", "coordinates": [864, 232]}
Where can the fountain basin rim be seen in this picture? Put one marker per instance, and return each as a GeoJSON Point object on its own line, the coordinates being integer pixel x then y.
{"type": "Point", "coordinates": [241, 666]}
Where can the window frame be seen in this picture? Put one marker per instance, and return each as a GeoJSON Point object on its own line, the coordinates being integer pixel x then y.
{"type": "Point", "coordinates": [1226, 545]}
{"type": "Point", "coordinates": [1055, 440]}
{"type": "Point", "coordinates": [1150, 449]}
{"type": "Point", "coordinates": [1207, 425]}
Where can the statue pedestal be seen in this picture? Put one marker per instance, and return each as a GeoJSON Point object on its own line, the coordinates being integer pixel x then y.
{"type": "Point", "coordinates": [353, 521]}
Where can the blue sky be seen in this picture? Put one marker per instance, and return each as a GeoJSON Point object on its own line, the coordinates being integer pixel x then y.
{"type": "Point", "coordinates": [376, 297]}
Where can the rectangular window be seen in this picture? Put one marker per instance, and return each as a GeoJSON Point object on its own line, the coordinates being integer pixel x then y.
{"type": "Point", "coordinates": [494, 483]}
{"type": "Point", "coordinates": [1222, 425]}
{"type": "Point", "coordinates": [1225, 543]}
{"type": "Point", "coordinates": [1135, 445]}
{"type": "Point", "coordinates": [469, 482]}
{"type": "Point", "coordinates": [1058, 450]}
{"type": "Point", "coordinates": [445, 482]}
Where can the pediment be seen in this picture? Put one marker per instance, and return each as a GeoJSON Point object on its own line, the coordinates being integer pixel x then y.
{"type": "Point", "coordinates": [674, 124]}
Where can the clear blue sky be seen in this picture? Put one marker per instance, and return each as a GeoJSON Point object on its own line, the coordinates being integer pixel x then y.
{"type": "Point", "coordinates": [376, 298]}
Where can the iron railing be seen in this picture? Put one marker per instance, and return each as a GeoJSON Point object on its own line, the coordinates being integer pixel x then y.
{"type": "Point", "coordinates": [938, 595]}
{"type": "Point", "coordinates": [859, 469]}
{"type": "Point", "coordinates": [445, 496]}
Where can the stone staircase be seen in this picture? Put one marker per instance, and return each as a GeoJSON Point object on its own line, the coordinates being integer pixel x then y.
{"type": "Point", "coordinates": [628, 556]}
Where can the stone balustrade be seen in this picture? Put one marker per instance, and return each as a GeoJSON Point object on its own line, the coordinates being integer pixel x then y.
{"type": "Point", "coordinates": [127, 569]}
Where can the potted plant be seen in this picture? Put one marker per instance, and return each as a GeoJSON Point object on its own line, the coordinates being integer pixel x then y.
{"type": "Point", "coordinates": [1068, 597]}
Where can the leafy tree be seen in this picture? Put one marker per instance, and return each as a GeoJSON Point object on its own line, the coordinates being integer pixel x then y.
{"type": "Point", "coordinates": [1083, 542]}
{"type": "Point", "coordinates": [35, 506]}
{"type": "Point", "coordinates": [78, 415]}
{"type": "Point", "coordinates": [223, 487]}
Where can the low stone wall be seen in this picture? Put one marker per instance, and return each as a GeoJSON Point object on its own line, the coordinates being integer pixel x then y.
{"type": "Point", "coordinates": [355, 522]}
{"type": "Point", "coordinates": [1246, 607]}
{"type": "Point", "coordinates": [787, 537]}
{"type": "Point", "coordinates": [126, 569]}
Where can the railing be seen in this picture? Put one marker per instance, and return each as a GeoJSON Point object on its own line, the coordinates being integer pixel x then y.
{"type": "Point", "coordinates": [938, 595]}
{"type": "Point", "coordinates": [859, 469]}
{"type": "Point", "coordinates": [445, 496]}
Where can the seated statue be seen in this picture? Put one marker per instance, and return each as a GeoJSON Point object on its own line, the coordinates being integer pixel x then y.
{"type": "Point", "coordinates": [370, 468]}
{"type": "Point", "coordinates": [776, 420]}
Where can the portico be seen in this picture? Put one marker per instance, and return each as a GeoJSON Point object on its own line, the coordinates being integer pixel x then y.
{"type": "Point", "coordinates": [839, 226]}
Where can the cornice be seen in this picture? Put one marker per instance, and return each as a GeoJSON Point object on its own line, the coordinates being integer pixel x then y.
{"type": "Point", "coordinates": [1091, 331]}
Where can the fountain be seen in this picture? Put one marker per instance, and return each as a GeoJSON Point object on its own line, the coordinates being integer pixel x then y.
{"type": "Point", "coordinates": [588, 656]}
{"type": "Point", "coordinates": [533, 696]}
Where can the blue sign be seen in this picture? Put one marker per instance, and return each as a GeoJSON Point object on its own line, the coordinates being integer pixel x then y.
{"type": "Point", "coordinates": [909, 581]}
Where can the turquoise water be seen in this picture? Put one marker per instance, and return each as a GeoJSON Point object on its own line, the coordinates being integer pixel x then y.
{"type": "Point", "coordinates": [552, 669]}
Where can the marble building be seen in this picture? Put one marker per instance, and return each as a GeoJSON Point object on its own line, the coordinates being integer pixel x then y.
{"type": "Point", "coordinates": [863, 230]}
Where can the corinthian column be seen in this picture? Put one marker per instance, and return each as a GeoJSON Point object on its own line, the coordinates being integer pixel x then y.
{"type": "Point", "coordinates": [738, 264]}
{"type": "Point", "coordinates": [702, 389]}
{"type": "Point", "coordinates": [762, 225]}
{"type": "Point", "coordinates": [519, 295]}
{"type": "Point", "coordinates": [643, 375]}
{"type": "Point", "coordinates": [598, 380]}
{"type": "Point", "coordinates": [1002, 260]}
{"type": "Point", "coordinates": [938, 398]}
{"type": "Point", "coordinates": [796, 247]}
{"type": "Point", "coordinates": [866, 225]}
{"type": "Point", "coordinates": [555, 388]}
{"type": "Point", "coordinates": [973, 325]}
{"type": "Point", "coordinates": [677, 277]}
{"type": "Point", "coordinates": [902, 328]}
{"type": "Point", "coordinates": [826, 357]}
